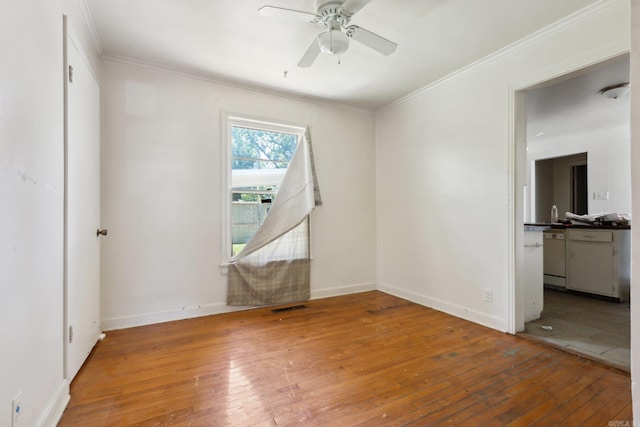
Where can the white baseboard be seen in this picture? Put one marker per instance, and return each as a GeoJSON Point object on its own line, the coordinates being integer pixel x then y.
{"type": "Point", "coordinates": [484, 319]}
{"type": "Point", "coordinates": [56, 407]}
{"type": "Point", "coordinates": [216, 308]}
{"type": "Point", "coordinates": [219, 308]}
{"type": "Point", "coordinates": [343, 290]}
{"type": "Point", "coordinates": [165, 316]}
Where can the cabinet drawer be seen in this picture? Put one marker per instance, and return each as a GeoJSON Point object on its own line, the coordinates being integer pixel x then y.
{"type": "Point", "coordinates": [605, 236]}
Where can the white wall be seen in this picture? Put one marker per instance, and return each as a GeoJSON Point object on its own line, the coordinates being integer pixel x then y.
{"type": "Point", "coordinates": [444, 203]}
{"type": "Point", "coordinates": [607, 159]}
{"type": "Point", "coordinates": [31, 205]}
{"type": "Point", "coordinates": [161, 194]}
{"type": "Point", "coordinates": [635, 185]}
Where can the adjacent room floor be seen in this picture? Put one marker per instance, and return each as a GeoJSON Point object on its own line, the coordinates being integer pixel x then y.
{"type": "Point", "coordinates": [596, 328]}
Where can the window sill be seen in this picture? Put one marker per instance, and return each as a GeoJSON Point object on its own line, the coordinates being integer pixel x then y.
{"type": "Point", "coordinates": [224, 268]}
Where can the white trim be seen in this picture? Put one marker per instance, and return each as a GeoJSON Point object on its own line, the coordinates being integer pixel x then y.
{"type": "Point", "coordinates": [456, 310]}
{"type": "Point", "coordinates": [57, 405]}
{"type": "Point", "coordinates": [274, 125]}
{"type": "Point", "coordinates": [225, 182]}
{"type": "Point", "coordinates": [65, 196]}
{"type": "Point", "coordinates": [220, 308]}
{"type": "Point", "coordinates": [343, 290]}
{"type": "Point", "coordinates": [212, 309]}
{"type": "Point", "coordinates": [512, 288]}
{"type": "Point", "coordinates": [570, 66]}
{"type": "Point", "coordinates": [226, 81]}
{"type": "Point", "coordinates": [515, 233]}
{"type": "Point", "coordinates": [91, 25]}
{"type": "Point", "coordinates": [526, 41]}
{"type": "Point", "coordinates": [166, 316]}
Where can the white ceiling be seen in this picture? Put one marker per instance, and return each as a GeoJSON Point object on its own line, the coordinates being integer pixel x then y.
{"type": "Point", "coordinates": [228, 40]}
{"type": "Point", "coordinates": [574, 104]}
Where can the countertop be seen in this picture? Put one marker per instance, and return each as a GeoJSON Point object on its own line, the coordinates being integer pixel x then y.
{"type": "Point", "coordinates": [541, 226]}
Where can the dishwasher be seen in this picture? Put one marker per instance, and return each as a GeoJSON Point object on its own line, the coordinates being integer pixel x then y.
{"type": "Point", "coordinates": [554, 254]}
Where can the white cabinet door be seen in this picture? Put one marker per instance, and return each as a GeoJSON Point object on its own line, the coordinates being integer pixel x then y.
{"type": "Point", "coordinates": [591, 267]}
{"type": "Point", "coordinates": [533, 280]}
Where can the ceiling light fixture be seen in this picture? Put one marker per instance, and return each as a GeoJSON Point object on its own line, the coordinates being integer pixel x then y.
{"type": "Point", "coordinates": [333, 42]}
{"type": "Point", "coordinates": [615, 91]}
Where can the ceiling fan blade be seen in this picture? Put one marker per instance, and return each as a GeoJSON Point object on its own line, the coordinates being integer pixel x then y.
{"type": "Point", "coordinates": [352, 6]}
{"type": "Point", "coordinates": [290, 14]}
{"type": "Point", "coordinates": [310, 55]}
{"type": "Point", "coordinates": [372, 40]}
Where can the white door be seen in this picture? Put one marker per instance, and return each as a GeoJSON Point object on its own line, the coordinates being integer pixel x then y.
{"type": "Point", "coordinates": [82, 209]}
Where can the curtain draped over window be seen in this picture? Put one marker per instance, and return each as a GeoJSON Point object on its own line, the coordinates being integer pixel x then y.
{"type": "Point", "coordinates": [274, 266]}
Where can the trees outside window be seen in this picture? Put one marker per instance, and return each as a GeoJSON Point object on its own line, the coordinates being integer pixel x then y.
{"type": "Point", "coordinates": [260, 156]}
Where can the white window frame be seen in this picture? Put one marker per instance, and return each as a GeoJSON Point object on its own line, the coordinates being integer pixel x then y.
{"type": "Point", "coordinates": [230, 120]}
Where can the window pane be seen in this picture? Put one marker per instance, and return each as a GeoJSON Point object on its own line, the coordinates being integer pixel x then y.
{"type": "Point", "coordinates": [261, 149]}
{"type": "Point", "coordinates": [248, 211]}
{"type": "Point", "coordinates": [259, 160]}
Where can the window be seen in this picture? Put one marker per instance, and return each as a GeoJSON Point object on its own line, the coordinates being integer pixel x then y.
{"type": "Point", "coordinates": [272, 189]}
{"type": "Point", "coordinates": [260, 153]}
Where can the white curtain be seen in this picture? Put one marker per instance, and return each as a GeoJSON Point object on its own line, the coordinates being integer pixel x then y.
{"type": "Point", "coordinates": [274, 266]}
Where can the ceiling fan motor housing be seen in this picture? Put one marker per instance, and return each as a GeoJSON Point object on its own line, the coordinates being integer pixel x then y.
{"type": "Point", "coordinates": [324, 4]}
{"type": "Point", "coordinates": [331, 15]}
{"type": "Point", "coordinates": [334, 17]}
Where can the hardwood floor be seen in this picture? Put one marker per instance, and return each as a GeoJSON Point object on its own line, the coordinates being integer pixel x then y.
{"type": "Point", "coordinates": [366, 359]}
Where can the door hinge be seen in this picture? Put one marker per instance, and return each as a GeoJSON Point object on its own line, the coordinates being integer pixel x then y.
{"type": "Point", "coordinates": [70, 73]}
{"type": "Point", "coordinates": [70, 334]}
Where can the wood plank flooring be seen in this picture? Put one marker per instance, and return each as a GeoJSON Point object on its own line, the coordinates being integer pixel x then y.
{"type": "Point", "coordinates": [367, 359]}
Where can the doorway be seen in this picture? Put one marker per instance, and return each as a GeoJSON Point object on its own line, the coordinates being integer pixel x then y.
{"type": "Point", "coordinates": [561, 182]}
{"type": "Point", "coordinates": [590, 185]}
{"type": "Point", "coordinates": [579, 189]}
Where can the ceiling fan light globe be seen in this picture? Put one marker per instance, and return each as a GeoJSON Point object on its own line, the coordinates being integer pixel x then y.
{"type": "Point", "coordinates": [333, 42]}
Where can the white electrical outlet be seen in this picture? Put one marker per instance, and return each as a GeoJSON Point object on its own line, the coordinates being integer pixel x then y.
{"type": "Point", "coordinates": [16, 409]}
{"type": "Point", "coordinates": [601, 196]}
{"type": "Point", "coordinates": [488, 295]}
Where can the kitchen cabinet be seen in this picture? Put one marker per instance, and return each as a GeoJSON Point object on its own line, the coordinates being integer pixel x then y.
{"type": "Point", "coordinates": [598, 262]}
{"type": "Point", "coordinates": [533, 275]}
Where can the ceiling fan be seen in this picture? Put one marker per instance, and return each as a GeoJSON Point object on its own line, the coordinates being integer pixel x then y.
{"type": "Point", "coordinates": [334, 17]}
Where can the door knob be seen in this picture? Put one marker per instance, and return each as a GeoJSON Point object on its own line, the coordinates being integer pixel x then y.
{"type": "Point", "coordinates": [101, 232]}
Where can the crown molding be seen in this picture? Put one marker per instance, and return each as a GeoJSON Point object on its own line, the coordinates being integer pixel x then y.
{"type": "Point", "coordinates": [519, 44]}
{"type": "Point", "coordinates": [222, 80]}
{"type": "Point", "coordinates": [91, 25]}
